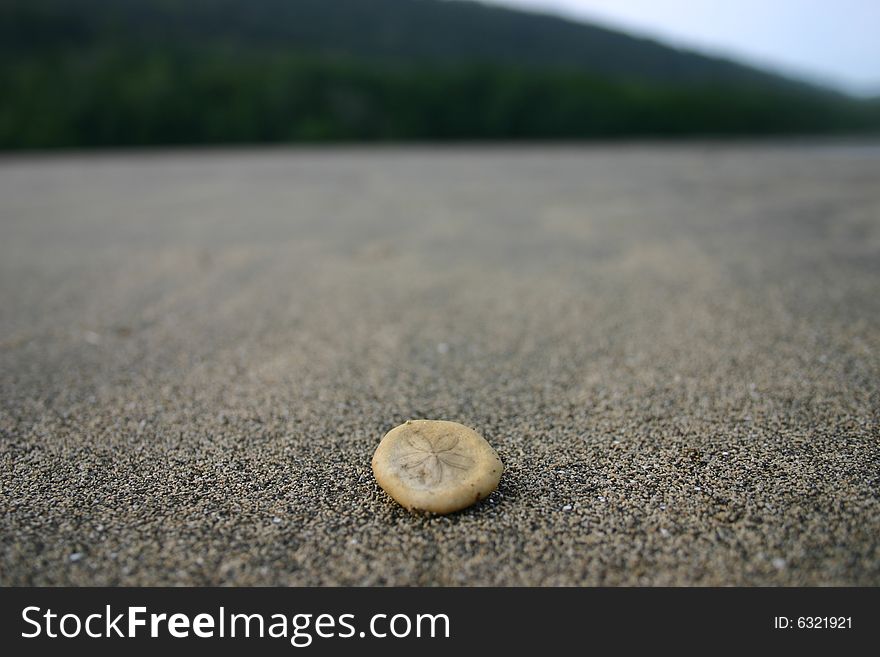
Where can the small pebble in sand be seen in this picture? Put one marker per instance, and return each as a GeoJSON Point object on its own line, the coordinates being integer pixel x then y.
{"type": "Point", "coordinates": [436, 466]}
{"type": "Point", "coordinates": [76, 556]}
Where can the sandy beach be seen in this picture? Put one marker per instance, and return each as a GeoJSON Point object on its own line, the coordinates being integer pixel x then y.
{"type": "Point", "coordinates": [675, 350]}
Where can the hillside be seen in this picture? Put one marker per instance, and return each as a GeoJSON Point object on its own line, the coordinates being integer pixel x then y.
{"type": "Point", "coordinates": [393, 30]}
{"type": "Point", "coordinates": [94, 72]}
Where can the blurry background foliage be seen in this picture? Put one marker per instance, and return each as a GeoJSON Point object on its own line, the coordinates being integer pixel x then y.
{"type": "Point", "coordinates": [138, 72]}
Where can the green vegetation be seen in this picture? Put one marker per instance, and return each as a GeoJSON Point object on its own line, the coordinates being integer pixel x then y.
{"type": "Point", "coordinates": [134, 72]}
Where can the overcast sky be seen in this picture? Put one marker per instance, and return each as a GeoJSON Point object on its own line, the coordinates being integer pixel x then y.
{"type": "Point", "coordinates": [836, 42]}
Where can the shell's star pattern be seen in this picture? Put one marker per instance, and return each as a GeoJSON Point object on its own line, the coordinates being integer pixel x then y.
{"type": "Point", "coordinates": [428, 458]}
{"type": "Point", "coordinates": [436, 466]}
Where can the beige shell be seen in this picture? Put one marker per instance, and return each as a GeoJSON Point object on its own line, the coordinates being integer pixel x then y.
{"type": "Point", "coordinates": [436, 466]}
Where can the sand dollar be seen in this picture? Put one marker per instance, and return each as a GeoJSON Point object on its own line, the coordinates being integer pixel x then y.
{"type": "Point", "coordinates": [436, 466]}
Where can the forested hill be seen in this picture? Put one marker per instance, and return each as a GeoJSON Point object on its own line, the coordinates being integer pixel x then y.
{"type": "Point", "coordinates": [391, 30]}
{"type": "Point", "coordinates": [93, 72]}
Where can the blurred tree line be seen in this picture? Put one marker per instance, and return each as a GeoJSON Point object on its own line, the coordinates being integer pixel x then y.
{"type": "Point", "coordinates": [63, 82]}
